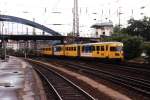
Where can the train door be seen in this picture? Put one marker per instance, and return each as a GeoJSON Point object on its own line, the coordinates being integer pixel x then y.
{"type": "Point", "coordinates": [78, 50]}
{"type": "Point", "coordinates": [103, 51]}
{"type": "Point", "coordinates": [99, 51]}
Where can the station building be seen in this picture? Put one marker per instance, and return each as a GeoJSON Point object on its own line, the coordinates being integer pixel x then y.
{"type": "Point", "coordinates": [102, 29]}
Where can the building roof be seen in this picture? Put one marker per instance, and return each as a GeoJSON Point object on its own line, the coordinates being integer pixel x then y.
{"type": "Point", "coordinates": [105, 24]}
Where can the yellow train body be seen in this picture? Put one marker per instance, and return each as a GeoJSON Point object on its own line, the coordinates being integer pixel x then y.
{"type": "Point", "coordinates": [110, 50]}
{"type": "Point", "coordinates": [104, 50]}
{"type": "Point", "coordinates": [47, 51]}
{"type": "Point", "coordinates": [71, 50]}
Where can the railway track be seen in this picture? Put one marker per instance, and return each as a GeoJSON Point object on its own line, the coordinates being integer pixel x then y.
{"type": "Point", "coordinates": [139, 85]}
{"type": "Point", "coordinates": [137, 71]}
{"type": "Point", "coordinates": [57, 86]}
{"type": "Point", "coordinates": [133, 70]}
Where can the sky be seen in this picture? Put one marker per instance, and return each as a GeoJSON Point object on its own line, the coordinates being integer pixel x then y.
{"type": "Point", "coordinates": [90, 12]}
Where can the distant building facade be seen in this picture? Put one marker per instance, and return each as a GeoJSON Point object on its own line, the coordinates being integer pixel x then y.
{"type": "Point", "coordinates": [102, 29]}
{"type": "Point", "coordinates": [12, 45]}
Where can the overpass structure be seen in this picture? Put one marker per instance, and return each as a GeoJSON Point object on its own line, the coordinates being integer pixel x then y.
{"type": "Point", "coordinates": [28, 22]}
{"type": "Point", "coordinates": [46, 37]}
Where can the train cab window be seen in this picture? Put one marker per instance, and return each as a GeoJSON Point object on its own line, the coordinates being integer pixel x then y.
{"type": "Point", "coordinates": [102, 48]}
{"type": "Point", "coordinates": [116, 48]}
{"type": "Point", "coordinates": [97, 48]}
{"type": "Point", "coordinates": [112, 48]}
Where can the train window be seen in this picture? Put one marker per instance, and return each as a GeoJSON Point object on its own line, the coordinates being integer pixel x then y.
{"type": "Point", "coordinates": [102, 48]}
{"type": "Point", "coordinates": [74, 48]}
{"type": "Point", "coordinates": [116, 48]}
{"type": "Point", "coordinates": [58, 48]}
{"type": "Point", "coordinates": [97, 48]}
{"type": "Point", "coordinates": [112, 48]}
{"type": "Point", "coordinates": [88, 48]}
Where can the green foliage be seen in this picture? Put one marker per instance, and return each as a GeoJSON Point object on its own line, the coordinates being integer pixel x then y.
{"type": "Point", "coordinates": [139, 28]}
{"type": "Point", "coordinates": [147, 50]}
{"type": "Point", "coordinates": [116, 29]}
{"type": "Point", "coordinates": [132, 47]}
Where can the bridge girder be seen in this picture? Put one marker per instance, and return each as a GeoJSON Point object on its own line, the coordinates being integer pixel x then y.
{"type": "Point", "coordinates": [28, 22]}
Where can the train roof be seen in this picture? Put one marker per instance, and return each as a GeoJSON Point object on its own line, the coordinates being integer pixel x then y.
{"type": "Point", "coordinates": [103, 43]}
{"type": "Point", "coordinates": [93, 43]}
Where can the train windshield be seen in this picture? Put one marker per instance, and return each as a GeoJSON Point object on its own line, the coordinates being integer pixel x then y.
{"type": "Point", "coordinates": [119, 48]}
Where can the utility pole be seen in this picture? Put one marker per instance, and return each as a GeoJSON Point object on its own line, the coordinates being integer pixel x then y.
{"type": "Point", "coordinates": [119, 17]}
{"type": "Point", "coordinates": [75, 19]}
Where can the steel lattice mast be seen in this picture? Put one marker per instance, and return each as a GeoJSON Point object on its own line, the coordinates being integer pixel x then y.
{"type": "Point", "coordinates": [75, 19]}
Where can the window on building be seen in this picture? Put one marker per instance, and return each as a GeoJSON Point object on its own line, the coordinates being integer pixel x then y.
{"type": "Point", "coordinates": [103, 33]}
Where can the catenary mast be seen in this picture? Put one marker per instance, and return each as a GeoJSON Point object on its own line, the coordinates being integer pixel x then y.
{"type": "Point", "coordinates": [75, 19]}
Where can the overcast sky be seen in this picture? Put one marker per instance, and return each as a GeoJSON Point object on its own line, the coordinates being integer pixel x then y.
{"type": "Point", "coordinates": [41, 11]}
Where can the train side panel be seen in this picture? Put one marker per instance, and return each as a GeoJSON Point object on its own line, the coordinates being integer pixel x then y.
{"type": "Point", "coordinates": [47, 51]}
{"type": "Point", "coordinates": [71, 50]}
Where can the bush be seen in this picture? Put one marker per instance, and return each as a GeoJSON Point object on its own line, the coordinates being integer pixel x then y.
{"type": "Point", "coordinates": [147, 50]}
{"type": "Point", "coordinates": [133, 47]}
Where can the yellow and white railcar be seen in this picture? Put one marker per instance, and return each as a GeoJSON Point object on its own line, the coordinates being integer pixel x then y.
{"type": "Point", "coordinates": [59, 50]}
{"type": "Point", "coordinates": [109, 50]}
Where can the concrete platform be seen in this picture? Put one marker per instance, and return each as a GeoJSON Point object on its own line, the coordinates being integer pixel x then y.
{"type": "Point", "coordinates": [18, 81]}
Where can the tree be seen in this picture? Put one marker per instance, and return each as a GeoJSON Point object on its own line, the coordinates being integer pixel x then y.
{"type": "Point", "coordinates": [116, 29]}
{"type": "Point", "coordinates": [139, 28]}
{"type": "Point", "coordinates": [147, 51]}
{"type": "Point", "coordinates": [133, 47]}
